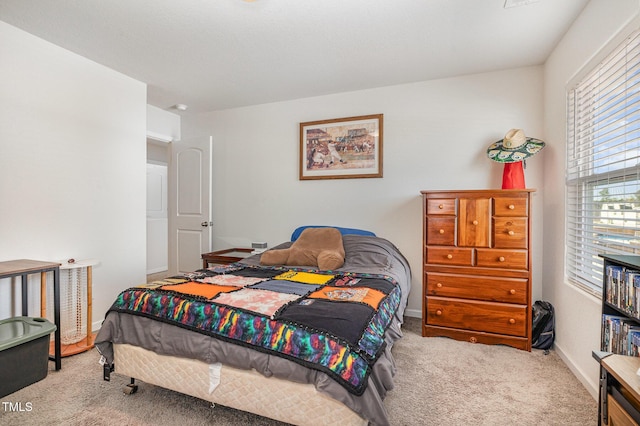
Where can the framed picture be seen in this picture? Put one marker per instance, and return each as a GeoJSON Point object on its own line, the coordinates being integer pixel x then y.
{"type": "Point", "coordinates": [341, 148]}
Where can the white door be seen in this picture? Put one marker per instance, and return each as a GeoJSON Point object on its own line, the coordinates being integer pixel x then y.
{"type": "Point", "coordinates": [190, 225]}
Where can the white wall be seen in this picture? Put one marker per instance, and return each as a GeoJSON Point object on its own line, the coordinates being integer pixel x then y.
{"type": "Point", "coordinates": [162, 125]}
{"type": "Point", "coordinates": [435, 137]}
{"type": "Point", "coordinates": [72, 166]}
{"type": "Point", "coordinates": [72, 174]}
{"type": "Point", "coordinates": [578, 314]}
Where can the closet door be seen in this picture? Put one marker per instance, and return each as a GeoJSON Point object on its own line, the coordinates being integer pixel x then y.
{"type": "Point", "coordinates": [157, 219]}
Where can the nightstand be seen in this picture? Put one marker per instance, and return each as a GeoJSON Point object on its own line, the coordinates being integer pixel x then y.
{"type": "Point", "coordinates": [224, 257]}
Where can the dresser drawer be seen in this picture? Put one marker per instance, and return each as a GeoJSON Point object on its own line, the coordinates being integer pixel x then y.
{"type": "Point", "coordinates": [449, 256]}
{"type": "Point", "coordinates": [489, 317]}
{"type": "Point", "coordinates": [493, 289]}
{"type": "Point", "coordinates": [441, 230]}
{"type": "Point", "coordinates": [445, 206]}
{"type": "Point", "coordinates": [510, 232]}
{"type": "Point", "coordinates": [507, 259]}
{"type": "Point", "coordinates": [510, 206]}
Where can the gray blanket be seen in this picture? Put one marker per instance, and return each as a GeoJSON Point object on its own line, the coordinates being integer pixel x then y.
{"type": "Point", "coordinates": [363, 254]}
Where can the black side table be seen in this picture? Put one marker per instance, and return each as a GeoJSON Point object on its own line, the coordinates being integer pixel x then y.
{"type": "Point", "coordinates": [25, 267]}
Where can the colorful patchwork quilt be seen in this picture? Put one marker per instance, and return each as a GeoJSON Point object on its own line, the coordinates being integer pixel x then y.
{"type": "Point", "coordinates": [330, 321]}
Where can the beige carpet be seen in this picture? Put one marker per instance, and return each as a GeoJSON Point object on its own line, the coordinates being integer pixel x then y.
{"type": "Point", "coordinates": [439, 382]}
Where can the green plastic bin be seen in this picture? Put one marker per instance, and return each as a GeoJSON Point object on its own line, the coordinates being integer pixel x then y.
{"type": "Point", "coordinates": [24, 352]}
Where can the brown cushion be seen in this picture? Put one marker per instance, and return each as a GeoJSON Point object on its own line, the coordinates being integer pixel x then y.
{"type": "Point", "coordinates": [319, 247]}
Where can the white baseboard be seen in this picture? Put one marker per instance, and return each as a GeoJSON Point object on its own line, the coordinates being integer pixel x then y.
{"type": "Point", "coordinates": [591, 386]}
{"type": "Point", "coordinates": [414, 313]}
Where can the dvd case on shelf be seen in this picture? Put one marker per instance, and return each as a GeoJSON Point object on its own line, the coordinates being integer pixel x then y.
{"type": "Point", "coordinates": [620, 332]}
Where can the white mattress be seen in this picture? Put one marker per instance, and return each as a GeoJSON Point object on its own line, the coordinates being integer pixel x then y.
{"type": "Point", "coordinates": [246, 390]}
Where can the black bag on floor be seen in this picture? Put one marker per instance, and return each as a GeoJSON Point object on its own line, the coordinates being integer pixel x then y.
{"type": "Point", "coordinates": [543, 332]}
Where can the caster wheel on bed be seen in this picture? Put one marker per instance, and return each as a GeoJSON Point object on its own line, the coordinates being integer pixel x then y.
{"type": "Point", "coordinates": [130, 389]}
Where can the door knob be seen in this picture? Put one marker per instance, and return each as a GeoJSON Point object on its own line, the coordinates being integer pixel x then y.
{"type": "Point", "coordinates": [205, 224]}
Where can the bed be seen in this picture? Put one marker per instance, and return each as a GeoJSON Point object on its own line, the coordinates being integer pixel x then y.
{"type": "Point", "coordinates": [295, 344]}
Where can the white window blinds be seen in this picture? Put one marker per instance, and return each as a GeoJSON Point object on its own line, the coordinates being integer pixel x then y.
{"type": "Point", "coordinates": [603, 173]}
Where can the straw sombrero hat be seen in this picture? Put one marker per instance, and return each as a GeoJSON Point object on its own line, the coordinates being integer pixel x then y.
{"type": "Point", "coordinates": [514, 147]}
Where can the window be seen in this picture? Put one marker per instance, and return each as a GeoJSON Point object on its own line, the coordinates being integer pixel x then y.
{"type": "Point", "coordinates": [603, 165]}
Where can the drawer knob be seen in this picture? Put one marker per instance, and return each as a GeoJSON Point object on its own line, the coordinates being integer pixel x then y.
{"type": "Point", "coordinates": [441, 206]}
{"type": "Point", "coordinates": [512, 233]}
{"type": "Point", "coordinates": [473, 339]}
{"type": "Point", "coordinates": [512, 291]}
{"type": "Point", "coordinates": [512, 321]}
{"type": "Point", "coordinates": [449, 256]}
{"type": "Point", "coordinates": [439, 285]}
{"type": "Point", "coordinates": [475, 222]}
{"type": "Point", "coordinates": [501, 258]}
{"type": "Point", "coordinates": [438, 312]}
{"type": "Point", "coordinates": [511, 207]}
{"type": "Point", "coordinates": [441, 231]}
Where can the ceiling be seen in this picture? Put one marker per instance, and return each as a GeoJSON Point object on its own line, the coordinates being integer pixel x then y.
{"type": "Point", "coordinates": [218, 54]}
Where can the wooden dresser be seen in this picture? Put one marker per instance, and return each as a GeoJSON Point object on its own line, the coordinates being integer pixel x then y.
{"type": "Point", "coordinates": [477, 266]}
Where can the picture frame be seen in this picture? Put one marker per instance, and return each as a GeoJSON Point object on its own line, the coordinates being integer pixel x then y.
{"type": "Point", "coordinates": [342, 148]}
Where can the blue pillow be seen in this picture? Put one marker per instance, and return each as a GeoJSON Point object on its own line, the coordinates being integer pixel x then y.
{"type": "Point", "coordinates": [343, 231]}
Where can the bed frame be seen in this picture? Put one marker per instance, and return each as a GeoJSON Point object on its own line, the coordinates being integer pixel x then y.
{"type": "Point", "coordinates": [246, 390]}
